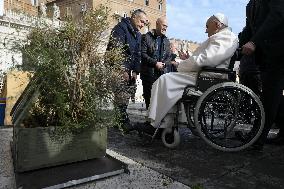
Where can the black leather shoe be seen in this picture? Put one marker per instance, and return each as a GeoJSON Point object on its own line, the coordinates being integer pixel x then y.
{"type": "Point", "coordinates": [278, 140]}
{"type": "Point", "coordinates": [148, 129]}
{"type": "Point", "coordinates": [127, 127]}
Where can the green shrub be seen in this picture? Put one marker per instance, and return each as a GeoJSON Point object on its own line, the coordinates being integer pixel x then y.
{"type": "Point", "coordinates": [76, 79]}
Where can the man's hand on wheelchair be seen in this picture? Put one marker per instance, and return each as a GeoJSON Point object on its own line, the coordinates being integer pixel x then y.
{"type": "Point", "coordinates": [160, 65]}
{"type": "Point", "coordinates": [248, 48]}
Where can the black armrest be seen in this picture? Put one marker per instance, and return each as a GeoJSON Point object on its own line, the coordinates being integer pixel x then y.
{"type": "Point", "coordinates": [216, 70]}
{"type": "Point", "coordinates": [203, 82]}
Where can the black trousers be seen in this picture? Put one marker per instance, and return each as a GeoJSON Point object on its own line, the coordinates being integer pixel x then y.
{"type": "Point", "coordinates": [272, 99]}
{"type": "Point", "coordinates": [251, 80]}
{"type": "Point", "coordinates": [147, 87]}
{"type": "Point", "coordinates": [279, 122]}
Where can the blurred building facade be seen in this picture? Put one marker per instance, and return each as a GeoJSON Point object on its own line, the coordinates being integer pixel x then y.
{"type": "Point", "coordinates": [184, 45]}
{"type": "Point", "coordinates": [118, 9]}
{"type": "Point", "coordinates": [76, 8]}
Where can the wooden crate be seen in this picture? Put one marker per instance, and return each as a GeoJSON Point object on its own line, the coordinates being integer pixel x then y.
{"type": "Point", "coordinates": [15, 83]}
{"type": "Point", "coordinates": [35, 148]}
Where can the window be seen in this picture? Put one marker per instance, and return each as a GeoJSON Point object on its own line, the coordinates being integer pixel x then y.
{"type": "Point", "coordinates": [34, 2]}
{"type": "Point", "coordinates": [147, 2]}
{"type": "Point", "coordinates": [116, 13]}
{"type": "Point", "coordinates": [83, 7]}
{"type": "Point", "coordinates": [117, 16]}
{"type": "Point", "coordinates": [68, 12]}
{"type": "Point", "coordinates": [160, 6]}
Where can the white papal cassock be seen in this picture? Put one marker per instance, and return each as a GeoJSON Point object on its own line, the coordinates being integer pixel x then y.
{"type": "Point", "coordinates": [216, 51]}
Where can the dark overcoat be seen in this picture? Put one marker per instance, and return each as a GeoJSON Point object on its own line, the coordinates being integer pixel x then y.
{"type": "Point", "coordinates": [124, 34]}
{"type": "Point", "coordinates": [149, 48]}
{"type": "Point", "coordinates": [265, 28]}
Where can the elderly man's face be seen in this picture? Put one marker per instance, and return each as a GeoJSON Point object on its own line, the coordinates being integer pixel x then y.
{"type": "Point", "coordinates": [162, 26]}
{"type": "Point", "coordinates": [211, 27]}
{"type": "Point", "coordinates": [139, 21]}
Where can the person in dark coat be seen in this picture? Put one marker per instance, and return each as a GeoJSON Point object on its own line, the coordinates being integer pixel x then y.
{"type": "Point", "coordinates": [249, 74]}
{"type": "Point", "coordinates": [156, 57]}
{"type": "Point", "coordinates": [126, 34]}
{"type": "Point", "coordinates": [263, 37]}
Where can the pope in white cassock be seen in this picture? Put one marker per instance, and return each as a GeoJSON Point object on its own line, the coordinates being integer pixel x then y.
{"type": "Point", "coordinates": [216, 51]}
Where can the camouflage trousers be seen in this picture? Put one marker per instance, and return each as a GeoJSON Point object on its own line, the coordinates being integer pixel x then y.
{"type": "Point", "coordinates": [121, 99]}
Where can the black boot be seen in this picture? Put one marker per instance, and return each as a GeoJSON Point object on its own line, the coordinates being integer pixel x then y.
{"type": "Point", "coordinates": [125, 122]}
{"type": "Point", "coordinates": [148, 129]}
{"type": "Point", "coordinates": [278, 140]}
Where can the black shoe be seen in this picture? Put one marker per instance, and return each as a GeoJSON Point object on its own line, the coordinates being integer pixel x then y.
{"type": "Point", "coordinates": [148, 129]}
{"type": "Point", "coordinates": [127, 127]}
{"type": "Point", "coordinates": [278, 140]}
{"type": "Point", "coordinates": [145, 127]}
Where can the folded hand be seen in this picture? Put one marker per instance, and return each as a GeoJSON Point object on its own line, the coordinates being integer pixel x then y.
{"type": "Point", "coordinates": [183, 55]}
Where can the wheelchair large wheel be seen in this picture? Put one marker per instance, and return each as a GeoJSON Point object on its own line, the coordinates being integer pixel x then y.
{"type": "Point", "coordinates": [229, 116]}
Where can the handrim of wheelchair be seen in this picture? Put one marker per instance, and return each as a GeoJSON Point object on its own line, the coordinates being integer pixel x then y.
{"type": "Point", "coordinates": [228, 116]}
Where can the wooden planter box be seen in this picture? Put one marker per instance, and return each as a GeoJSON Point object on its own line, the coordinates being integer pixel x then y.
{"type": "Point", "coordinates": [34, 148]}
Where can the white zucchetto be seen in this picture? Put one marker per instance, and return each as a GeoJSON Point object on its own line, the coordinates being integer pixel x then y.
{"type": "Point", "coordinates": [222, 18]}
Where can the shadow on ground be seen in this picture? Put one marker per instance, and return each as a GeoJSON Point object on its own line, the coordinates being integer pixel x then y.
{"type": "Point", "coordinates": [195, 163]}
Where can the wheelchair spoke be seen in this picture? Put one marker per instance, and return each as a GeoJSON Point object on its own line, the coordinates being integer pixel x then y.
{"type": "Point", "coordinates": [229, 118]}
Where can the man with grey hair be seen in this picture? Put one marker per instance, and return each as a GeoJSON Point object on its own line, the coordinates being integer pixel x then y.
{"type": "Point", "coordinates": [127, 35]}
{"type": "Point", "coordinates": [216, 51]}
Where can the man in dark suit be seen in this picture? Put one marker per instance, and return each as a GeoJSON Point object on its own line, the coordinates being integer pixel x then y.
{"type": "Point", "coordinates": [156, 57]}
{"type": "Point", "coordinates": [264, 37]}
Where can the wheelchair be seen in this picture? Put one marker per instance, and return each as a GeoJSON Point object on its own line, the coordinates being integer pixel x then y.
{"type": "Point", "coordinates": [225, 114]}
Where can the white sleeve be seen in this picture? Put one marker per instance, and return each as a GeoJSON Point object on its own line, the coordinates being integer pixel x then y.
{"type": "Point", "coordinates": [218, 49]}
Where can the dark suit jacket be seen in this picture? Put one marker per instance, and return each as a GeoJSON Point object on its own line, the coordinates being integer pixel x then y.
{"type": "Point", "coordinates": [149, 72]}
{"type": "Point", "coordinates": [266, 29]}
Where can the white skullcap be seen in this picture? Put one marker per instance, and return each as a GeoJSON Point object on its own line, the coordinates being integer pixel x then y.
{"type": "Point", "coordinates": [222, 18]}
